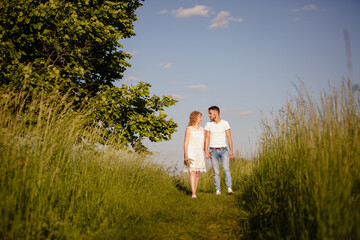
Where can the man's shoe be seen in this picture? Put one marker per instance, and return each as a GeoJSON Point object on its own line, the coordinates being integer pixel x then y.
{"type": "Point", "coordinates": [218, 192]}
{"type": "Point", "coordinates": [230, 191]}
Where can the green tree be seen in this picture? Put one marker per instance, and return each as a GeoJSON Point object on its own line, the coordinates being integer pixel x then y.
{"type": "Point", "coordinates": [74, 45]}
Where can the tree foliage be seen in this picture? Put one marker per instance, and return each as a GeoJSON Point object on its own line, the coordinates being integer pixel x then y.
{"type": "Point", "coordinates": [74, 45]}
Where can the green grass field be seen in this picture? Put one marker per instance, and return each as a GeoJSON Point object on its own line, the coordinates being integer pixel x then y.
{"type": "Point", "coordinates": [306, 184]}
{"type": "Point", "coordinates": [56, 183]}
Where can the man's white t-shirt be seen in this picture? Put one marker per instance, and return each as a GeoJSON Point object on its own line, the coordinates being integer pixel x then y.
{"type": "Point", "coordinates": [217, 133]}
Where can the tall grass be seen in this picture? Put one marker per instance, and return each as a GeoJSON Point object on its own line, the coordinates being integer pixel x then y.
{"type": "Point", "coordinates": [240, 169]}
{"type": "Point", "coordinates": [307, 182]}
{"type": "Point", "coordinates": [55, 182]}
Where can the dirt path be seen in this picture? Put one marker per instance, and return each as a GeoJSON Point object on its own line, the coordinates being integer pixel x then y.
{"type": "Point", "coordinates": [207, 217]}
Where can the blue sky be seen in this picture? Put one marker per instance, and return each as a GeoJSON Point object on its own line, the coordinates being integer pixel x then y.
{"type": "Point", "coordinates": [241, 55]}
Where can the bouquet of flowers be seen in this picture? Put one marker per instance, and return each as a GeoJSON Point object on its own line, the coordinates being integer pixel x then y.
{"type": "Point", "coordinates": [188, 161]}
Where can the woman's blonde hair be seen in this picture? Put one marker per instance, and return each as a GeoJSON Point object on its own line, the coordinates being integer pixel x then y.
{"type": "Point", "coordinates": [193, 117]}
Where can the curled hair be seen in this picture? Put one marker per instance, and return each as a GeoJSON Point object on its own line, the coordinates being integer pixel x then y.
{"type": "Point", "coordinates": [193, 117]}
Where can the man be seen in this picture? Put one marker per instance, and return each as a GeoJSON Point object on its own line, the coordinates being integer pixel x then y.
{"type": "Point", "coordinates": [216, 133]}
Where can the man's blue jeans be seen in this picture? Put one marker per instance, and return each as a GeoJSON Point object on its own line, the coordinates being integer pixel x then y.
{"type": "Point", "coordinates": [215, 156]}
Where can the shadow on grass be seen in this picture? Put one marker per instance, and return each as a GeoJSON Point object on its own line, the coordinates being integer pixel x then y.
{"type": "Point", "coordinates": [181, 185]}
{"type": "Point", "coordinates": [206, 191]}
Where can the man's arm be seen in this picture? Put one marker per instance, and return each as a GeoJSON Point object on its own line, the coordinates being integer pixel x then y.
{"type": "Point", "coordinates": [206, 144]}
{"type": "Point", "coordinates": [228, 135]}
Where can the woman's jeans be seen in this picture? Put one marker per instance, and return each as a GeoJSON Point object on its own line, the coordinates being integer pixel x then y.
{"type": "Point", "coordinates": [215, 156]}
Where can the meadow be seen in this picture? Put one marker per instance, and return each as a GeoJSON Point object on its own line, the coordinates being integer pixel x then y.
{"type": "Point", "coordinates": [57, 182]}
{"type": "Point", "coordinates": [306, 183]}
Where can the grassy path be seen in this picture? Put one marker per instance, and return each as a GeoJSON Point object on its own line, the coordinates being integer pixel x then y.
{"type": "Point", "coordinates": [207, 217]}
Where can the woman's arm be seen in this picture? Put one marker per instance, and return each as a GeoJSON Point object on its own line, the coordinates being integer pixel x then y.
{"type": "Point", "coordinates": [186, 142]}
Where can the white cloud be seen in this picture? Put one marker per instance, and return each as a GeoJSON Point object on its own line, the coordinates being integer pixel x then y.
{"type": "Point", "coordinates": [200, 87]}
{"type": "Point", "coordinates": [165, 65]}
{"type": "Point", "coordinates": [243, 113]}
{"type": "Point", "coordinates": [310, 7]}
{"type": "Point", "coordinates": [236, 19]}
{"type": "Point", "coordinates": [131, 79]}
{"type": "Point", "coordinates": [177, 97]}
{"type": "Point", "coordinates": [134, 52]}
{"type": "Point", "coordinates": [198, 10]}
{"type": "Point", "coordinates": [222, 20]}
{"type": "Point", "coordinates": [236, 112]}
{"type": "Point", "coordinates": [164, 11]}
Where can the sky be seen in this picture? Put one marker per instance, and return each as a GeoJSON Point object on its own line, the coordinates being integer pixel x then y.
{"type": "Point", "coordinates": [243, 56]}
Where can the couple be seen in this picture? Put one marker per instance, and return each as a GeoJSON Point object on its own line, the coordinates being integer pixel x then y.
{"type": "Point", "coordinates": [213, 141]}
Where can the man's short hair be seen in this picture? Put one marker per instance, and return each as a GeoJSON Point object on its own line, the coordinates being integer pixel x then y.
{"type": "Point", "coordinates": [214, 108]}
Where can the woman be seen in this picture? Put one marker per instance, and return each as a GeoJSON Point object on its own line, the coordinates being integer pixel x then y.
{"type": "Point", "coordinates": [194, 161]}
